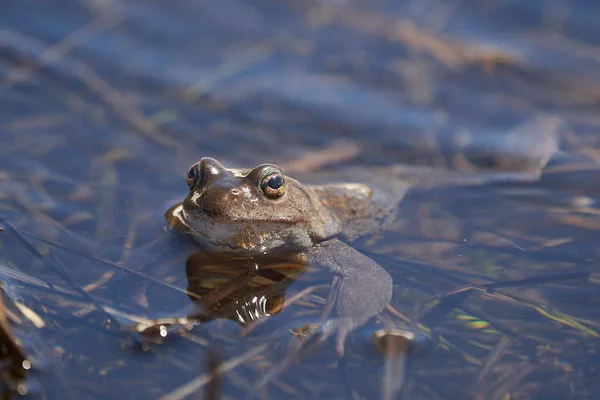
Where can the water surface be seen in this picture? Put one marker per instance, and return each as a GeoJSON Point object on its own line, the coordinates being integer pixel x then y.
{"type": "Point", "coordinates": [105, 105]}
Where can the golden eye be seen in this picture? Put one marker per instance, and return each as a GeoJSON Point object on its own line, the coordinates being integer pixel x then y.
{"type": "Point", "coordinates": [272, 184]}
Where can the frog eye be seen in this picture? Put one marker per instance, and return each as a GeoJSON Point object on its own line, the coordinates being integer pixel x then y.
{"type": "Point", "coordinates": [193, 176]}
{"type": "Point", "coordinates": [272, 183]}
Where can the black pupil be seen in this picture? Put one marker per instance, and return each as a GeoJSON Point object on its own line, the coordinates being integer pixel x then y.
{"type": "Point", "coordinates": [275, 182]}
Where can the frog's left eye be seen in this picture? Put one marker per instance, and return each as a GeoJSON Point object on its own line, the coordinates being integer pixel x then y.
{"type": "Point", "coordinates": [193, 176]}
{"type": "Point", "coordinates": [272, 183]}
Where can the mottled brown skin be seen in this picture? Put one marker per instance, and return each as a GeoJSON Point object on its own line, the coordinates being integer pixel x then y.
{"type": "Point", "coordinates": [227, 211]}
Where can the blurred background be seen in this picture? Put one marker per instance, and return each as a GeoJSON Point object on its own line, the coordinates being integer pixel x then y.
{"type": "Point", "coordinates": [104, 105]}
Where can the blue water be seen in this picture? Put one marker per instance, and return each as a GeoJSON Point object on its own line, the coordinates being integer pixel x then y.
{"type": "Point", "coordinates": [104, 106]}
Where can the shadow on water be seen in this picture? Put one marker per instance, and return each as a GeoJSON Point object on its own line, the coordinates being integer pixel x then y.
{"type": "Point", "coordinates": [480, 119]}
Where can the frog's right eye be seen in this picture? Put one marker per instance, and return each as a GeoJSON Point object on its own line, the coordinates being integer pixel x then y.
{"type": "Point", "coordinates": [272, 183]}
{"type": "Point", "coordinates": [193, 176]}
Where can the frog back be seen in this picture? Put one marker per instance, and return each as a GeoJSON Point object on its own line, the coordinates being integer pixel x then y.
{"type": "Point", "coordinates": [357, 208]}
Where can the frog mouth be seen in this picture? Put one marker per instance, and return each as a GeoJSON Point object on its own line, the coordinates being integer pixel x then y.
{"type": "Point", "coordinates": [237, 236]}
{"type": "Point", "coordinates": [230, 235]}
{"type": "Point", "coordinates": [246, 240]}
{"type": "Point", "coordinates": [244, 235]}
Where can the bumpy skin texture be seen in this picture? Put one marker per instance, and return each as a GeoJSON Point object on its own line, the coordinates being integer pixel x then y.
{"type": "Point", "coordinates": [229, 211]}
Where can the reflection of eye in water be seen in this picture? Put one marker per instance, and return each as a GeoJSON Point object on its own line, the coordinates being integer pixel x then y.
{"type": "Point", "coordinates": [256, 308]}
{"type": "Point", "coordinates": [239, 288]}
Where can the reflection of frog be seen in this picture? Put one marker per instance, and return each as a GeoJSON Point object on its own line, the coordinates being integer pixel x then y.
{"type": "Point", "coordinates": [261, 211]}
{"type": "Point", "coordinates": [223, 288]}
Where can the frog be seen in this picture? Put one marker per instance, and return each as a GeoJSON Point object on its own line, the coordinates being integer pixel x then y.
{"type": "Point", "coordinates": [261, 211]}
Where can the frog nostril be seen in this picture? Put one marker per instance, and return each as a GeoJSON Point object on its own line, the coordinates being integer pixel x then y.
{"type": "Point", "coordinates": [235, 191]}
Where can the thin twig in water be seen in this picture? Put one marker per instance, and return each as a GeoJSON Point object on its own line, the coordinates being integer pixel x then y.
{"type": "Point", "coordinates": [112, 97]}
{"type": "Point", "coordinates": [196, 384]}
{"type": "Point", "coordinates": [494, 357]}
{"type": "Point", "coordinates": [113, 264]}
{"type": "Point", "coordinates": [55, 266]}
{"type": "Point", "coordinates": [58, 50]}
{"type": "Point", "coordinates": [338, 152]}
{"type": "Point", "coordinates": [121, 106]}
{"type": "Point", "coordinates": [213, 388]}
{"type": "Point", "coordinates": [229, 69]}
